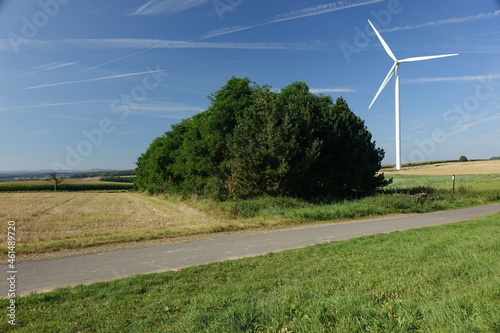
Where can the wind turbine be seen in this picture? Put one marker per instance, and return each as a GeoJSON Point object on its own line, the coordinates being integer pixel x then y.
{"type": "Point", "coordinates": [395, 69]}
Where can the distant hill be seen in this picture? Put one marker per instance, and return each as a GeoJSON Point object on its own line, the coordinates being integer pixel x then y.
{"type": "Point", "coordinates": [495, 158]}
{"type": "Point", "coordinates": [37, 174]}
{"type": "Point", "coordinates": [17, 172]}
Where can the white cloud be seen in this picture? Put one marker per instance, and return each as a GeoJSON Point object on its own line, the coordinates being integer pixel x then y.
{"type": "Point", "coordinates": [45, 67]}
{"type": "Point", "coordinates": [309, 11]}
{"type": "Point", "coordinates": [453, 20]}
{"type": "Point", "coordinates": [115, 60]}
{"type": "Point", "coordinates": [166, 107]}
{"type": "Point", "coordinates": [454, 78]}
{"type": "Point", "coordinates": [466, 126]}
{"type": "Point", "coordinates": [221, 63]}
{"type": "Point", "coordinates": [45, 105]}
{"type": "Point", "coordinates": [129, 43]}
{"type": "Point", "coordinates": [90, 80]}
{"type": "Point", "coordinates": [147, 44]}
{"type": "Point", "coordinates": [322, 9]}
{"type": "Point", "coordinates": [7, 44]}
{"type": "Point", "coordinates": [495, 133]}
{"type": "Point", "coordinates": [158, 7]}
{"type": "Point", "coordinates": [169, 110]}
{"type": "Point", "coordinates": [51, 66]}
{"type": "Point", "coordinates": [417, 126]}
{"type": "Point", "coordinates": [331, 90]}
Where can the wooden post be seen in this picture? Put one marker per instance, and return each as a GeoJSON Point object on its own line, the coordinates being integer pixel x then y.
{"type": "Point", "coordinates": [453, 187]}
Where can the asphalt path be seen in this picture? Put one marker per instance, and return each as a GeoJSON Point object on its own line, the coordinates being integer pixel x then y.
{"type": "Point", "coordinates": [49, 274]}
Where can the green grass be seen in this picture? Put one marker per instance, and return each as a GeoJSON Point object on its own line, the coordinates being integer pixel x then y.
{"type": "Point", "coordinates": [203, 216]}
{"type": "Point", "coordinates": [470, 190]}
{"type": "Point", "coordinates": [436, 279]}
{"type": "Point", "coordinates": [479, 182]}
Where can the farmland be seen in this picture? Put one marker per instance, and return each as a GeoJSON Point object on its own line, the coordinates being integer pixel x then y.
{"type": "Point", "coordinates": [417, 280]}
{"type": "Point", "coordinates": [421, 280]}
{"type": "Point", "coordinates": [86, 180]}
{"type": "Point", "coordinates": [71, 221]}
{"type": "Point", "coordinates": [58, 220]}
{"type": "Point", "coordinates": [68, 184]}
{"type": "Point", "coordinates": [457, 168]}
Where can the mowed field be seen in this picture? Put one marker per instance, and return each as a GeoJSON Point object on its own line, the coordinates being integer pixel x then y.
{"type": "Point", "coordinates": [54, 220]}
{"type": "Point", "coordinates": [456, 168]}
{"type": "Point", "coordinates": [70, 221]}
{"type": "Point", "coordinates": [436, 279]}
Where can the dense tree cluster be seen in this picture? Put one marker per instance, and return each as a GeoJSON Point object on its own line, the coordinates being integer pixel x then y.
{"type": "Point", "coordinates": [254, 141]}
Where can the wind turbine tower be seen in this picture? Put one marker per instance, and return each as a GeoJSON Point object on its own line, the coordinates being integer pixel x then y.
{"type": "Point", "coordinates": [395, 70]}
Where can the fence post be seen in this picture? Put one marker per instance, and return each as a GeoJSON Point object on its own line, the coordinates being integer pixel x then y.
{"type": "Point", "coordinates": [453, 186]}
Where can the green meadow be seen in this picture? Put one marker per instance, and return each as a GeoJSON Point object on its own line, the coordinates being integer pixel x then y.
{"type": "Point", "coordinates": [470, 190]}
{"type": "Point", "coordinates": [435, 279]}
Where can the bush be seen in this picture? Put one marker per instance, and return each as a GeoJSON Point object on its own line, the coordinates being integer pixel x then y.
{"type": "Point", "coordinates": [463, 159]}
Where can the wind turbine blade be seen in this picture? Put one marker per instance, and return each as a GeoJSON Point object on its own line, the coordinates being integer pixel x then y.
{"type": "Point", "coordinates": [427, 57]}
{"type": "Point", "coordinates": [387, 78]}
{"type": "Point", "coordinates": [384, 44]}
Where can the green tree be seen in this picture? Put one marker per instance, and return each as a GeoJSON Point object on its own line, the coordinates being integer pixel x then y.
{"type": "Point", "coordinates": [203, 157]}
{"type": "Point", "coordinates": [155, 170]}
{"type": "Point", "coordinates": [349, 160]}
{"type": "Point", "coordinates": [57, 180]}
{"type": "Point", "coordinates": [254, 141]}
{"type": "Point", "coordinates": [297, 143]}
{"type": "Point", "coordinates": [193, 157]}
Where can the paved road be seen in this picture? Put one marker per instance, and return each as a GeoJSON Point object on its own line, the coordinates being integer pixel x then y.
{"type": "Point", "coordinates": [45, 275]}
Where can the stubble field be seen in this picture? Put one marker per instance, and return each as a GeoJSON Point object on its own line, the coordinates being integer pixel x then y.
{"type": "Point", "coordinates": [456, 168]}
{"type": "Point", "coordinates": [70, 221]}
{"type": "Point", "coordinates": [50, 221]}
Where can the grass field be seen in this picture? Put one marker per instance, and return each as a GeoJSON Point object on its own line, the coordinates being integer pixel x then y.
{"type": "Point", "coordinates": [56, 221]}
{"type": "Point", "coordinates": [436, 279]}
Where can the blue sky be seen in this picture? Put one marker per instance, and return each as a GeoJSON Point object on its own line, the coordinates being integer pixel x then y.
{"type": "Point", "coordinates": [89, 84]}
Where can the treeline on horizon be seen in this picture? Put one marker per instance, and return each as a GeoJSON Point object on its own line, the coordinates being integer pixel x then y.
{"type": "Point", "coordinates": [253, 141]}
{"type": "Point", "coordinates": [66, 187]}
{"type": "Point", "coordinates": [65, 174]}
{"type": "Point", "coordinates": [117, 179]}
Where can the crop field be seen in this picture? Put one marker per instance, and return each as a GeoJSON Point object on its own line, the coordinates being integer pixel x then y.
{"type": "Point", "coordinates": [418, 280]}
{"type": "Point", "coordinates": [87, 180]}
{"type": "Point", "coordinates": [437, 279]}
{"type": "Point", "coordinates": [83, 180]}
{"type": "Point", "coordinates": [70, 221]}
{"type": "Point", "coordinates": [54, 220]}
{"type": "Point", "coordinates": [457, 168]}
{"type": "Point", "coordinates": [68, 185]}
